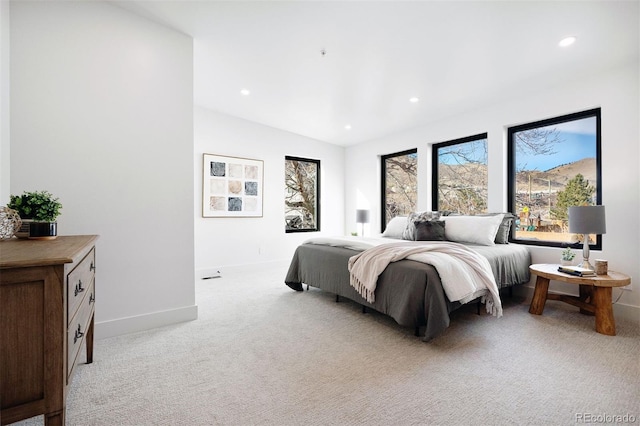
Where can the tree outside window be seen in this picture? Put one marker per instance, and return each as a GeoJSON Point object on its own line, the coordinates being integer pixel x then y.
{"type": "Point", "coordinates": [460, 175]}
{"type": "Point", "coordinates": [302, 194]}
{"type": "Point", "coordinates": [554, 164]}
{"type": "Point", "coordinates": [399, 184]}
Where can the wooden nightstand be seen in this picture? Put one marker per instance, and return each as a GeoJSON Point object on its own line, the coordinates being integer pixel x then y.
{"type": "Point", "coordinates": [594, 299]}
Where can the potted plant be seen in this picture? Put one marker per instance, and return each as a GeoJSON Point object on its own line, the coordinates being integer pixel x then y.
{"type": "Point", "coordinates": [38, 211]}
{"type": "Point", "coordinates": [567, 256]}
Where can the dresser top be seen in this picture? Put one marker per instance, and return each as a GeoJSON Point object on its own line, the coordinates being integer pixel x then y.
{"type": "Point", "coordinates": [22, 253]}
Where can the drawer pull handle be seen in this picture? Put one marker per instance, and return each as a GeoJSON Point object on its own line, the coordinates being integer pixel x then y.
{"type": "Point", "coordinates": [92, 267]}
{"type": "Point", "coordinates": [79, 288]}
{"type": "Point", "coordinates": [78, 335]}
{"type": "Point", "coordinates": [92, 298]}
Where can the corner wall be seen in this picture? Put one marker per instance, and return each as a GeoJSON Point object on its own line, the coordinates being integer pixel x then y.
{"type": "Point", "coordinates": [5, 151]}
{"type": "Point", "coordinates": [617, 92]}
{"type": "Point", "coordinates": [102, 117]}
{"type": "Point", "coordinates": [232, 242]}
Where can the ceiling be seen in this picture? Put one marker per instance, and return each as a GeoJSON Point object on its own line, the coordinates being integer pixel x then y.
{"type": "Point", "coordinates": [455, 56]}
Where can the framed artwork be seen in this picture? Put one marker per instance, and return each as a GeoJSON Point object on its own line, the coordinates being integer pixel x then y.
{"type": "Point", "coordinates": [231, 186]}
{"type": "Point", "coordinates": [302, 194]}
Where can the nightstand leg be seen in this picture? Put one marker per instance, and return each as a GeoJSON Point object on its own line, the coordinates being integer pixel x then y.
{"type": "Point", "coordinates": [586, 293]}
{"type": "Point", "coordinates": [539, 296]}
{"type": "Point", "coordinates": [605, 324]}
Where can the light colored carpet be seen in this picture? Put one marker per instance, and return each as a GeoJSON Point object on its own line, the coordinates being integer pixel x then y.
{"type": "Point", "coordinates": [262, 354]}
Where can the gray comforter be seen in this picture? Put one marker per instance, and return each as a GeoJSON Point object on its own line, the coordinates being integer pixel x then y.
{"type": "Point", "coordinates": [408, 291]}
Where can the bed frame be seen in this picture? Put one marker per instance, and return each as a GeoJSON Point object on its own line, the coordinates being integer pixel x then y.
{"type": "Point", "coordinates": [408, 291]}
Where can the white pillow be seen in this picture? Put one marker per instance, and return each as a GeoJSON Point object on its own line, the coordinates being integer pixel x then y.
{"type": "Point", "coordinates": [395, 227]}
{"type": "Point", "coordinates": [480, 230]}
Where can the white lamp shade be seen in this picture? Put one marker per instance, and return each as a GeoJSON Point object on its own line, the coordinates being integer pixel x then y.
{"type": "Point", "coordinates": [362, 216]}
{"type": "Point", "coordinates": [587, 220]}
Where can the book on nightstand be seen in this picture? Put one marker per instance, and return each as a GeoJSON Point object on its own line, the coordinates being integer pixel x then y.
{"type": "Point", "coordinates": [577, 271]}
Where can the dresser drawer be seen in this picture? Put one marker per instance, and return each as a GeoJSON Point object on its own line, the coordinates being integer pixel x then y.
{"type": "Point", "coordinates": [78, 327]}
{"type": "Point", "coordinates": [78, 281]}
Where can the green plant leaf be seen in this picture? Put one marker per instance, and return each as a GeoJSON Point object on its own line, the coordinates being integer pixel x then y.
{"type": "Point", "coordinates": [41, 206]}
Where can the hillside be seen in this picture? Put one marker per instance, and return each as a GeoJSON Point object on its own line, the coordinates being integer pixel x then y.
{"type": "Point", "coordinates": [586, 167]}
{"type": "Point", "coordinates": [476, 175]}
{"type": "Point", "coordinates": [559, 176]}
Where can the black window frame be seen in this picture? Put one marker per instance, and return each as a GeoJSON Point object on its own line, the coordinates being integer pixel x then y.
{"type": "Point", "coordinates": [435, 163]}
{"type": "Point", "coordinates": [317, 195]}
{"type": "Point", "coordinates": [511, 172]}
{"type": "Point", "coordinates": [383, 192]}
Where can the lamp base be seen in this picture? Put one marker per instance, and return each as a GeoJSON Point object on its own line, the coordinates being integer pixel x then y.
{"type": "Point", "coordinates": [585, 255]}
{"type": "Point", "coordinates": [585, 264]}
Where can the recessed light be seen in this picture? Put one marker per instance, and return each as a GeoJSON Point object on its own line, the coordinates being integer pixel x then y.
{"type": "Point", "coordinates": [413, 100]}
{"type": "Point", "coordinates": [245, 92]}
{"type": "Point", "coordinates": [567, 41]}
{"type": "Point", "coordinates": [348, 127]}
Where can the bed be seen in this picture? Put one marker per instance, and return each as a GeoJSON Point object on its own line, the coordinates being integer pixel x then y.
{"type": "Point", "coordinates": [408, 291]}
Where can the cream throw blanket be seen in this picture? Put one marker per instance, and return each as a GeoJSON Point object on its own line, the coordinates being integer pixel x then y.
{"type": "Point", "coordinates": [465, 274]}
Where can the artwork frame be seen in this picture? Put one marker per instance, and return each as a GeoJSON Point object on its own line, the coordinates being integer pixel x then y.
{"type": "Point", "coordinates": [232, 186]}
{"type": "Point", "coordinates": [302, 199]}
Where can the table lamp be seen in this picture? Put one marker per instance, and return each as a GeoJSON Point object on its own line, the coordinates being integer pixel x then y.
{"type": "Point", "coordinates": [587, 220]}
{"type": "Point", "coordinates": [362, 216]}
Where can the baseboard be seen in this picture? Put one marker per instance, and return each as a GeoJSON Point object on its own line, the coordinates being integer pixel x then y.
{"type": "Point", "coordinates": [620, 310]}
{"type": "Point", "coordinates": [628, 312]}
{"type": "Point", "coordinates": [144, 322]}
{"type": "Point", "coordinates": [219, 271]}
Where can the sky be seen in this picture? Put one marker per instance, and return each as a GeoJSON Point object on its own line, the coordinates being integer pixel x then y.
{"type": "Point", "coordinates": [475, 150]}
{"type": "Point", "coordinates": [578, 141]}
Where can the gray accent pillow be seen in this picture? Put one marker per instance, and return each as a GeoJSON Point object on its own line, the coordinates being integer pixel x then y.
{"type": "Point", "coordinates": [410, 231]}
{"type": "Point", "coordinates": [430, 230]}
{"type": "Point", "coordinates": [502, 237]}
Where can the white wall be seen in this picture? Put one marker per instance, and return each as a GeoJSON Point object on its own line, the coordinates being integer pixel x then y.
{"type": "Point", "coordinates": [102, 116]}
{"type": "Point", "coordinates": [5, 151]}
{"type": "Point", "coordinates": [229, 242]}
{"type": "Point", "coordinates": [616, 92]}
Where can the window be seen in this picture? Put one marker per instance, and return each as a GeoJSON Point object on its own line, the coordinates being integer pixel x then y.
{"type": "Point", "coordinates": [460, 182]}
{"type": "Point", "coordinates": [554, 164]}
{"type": "Point", "coordinates": [302, 194]}
{"type": "Point", "coordinates": [399, 184]}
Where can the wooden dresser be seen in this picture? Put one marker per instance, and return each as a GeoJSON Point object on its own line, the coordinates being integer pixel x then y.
{"type": "Point", "coordinates": [47, 295]}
